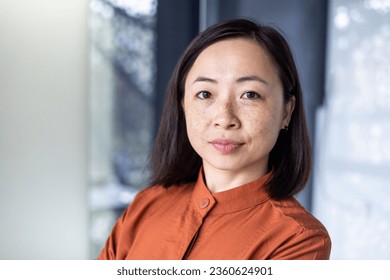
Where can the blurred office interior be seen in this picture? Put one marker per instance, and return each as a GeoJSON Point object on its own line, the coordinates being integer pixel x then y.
{"type": "Point", "coordinates": [81, 90]}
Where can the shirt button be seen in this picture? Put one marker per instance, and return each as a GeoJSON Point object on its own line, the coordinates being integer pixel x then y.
{"type": "Point", "coordinates": [204, 203]}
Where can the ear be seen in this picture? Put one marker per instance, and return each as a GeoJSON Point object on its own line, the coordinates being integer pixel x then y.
{"type": "Point", "coordinates": [288, 110]}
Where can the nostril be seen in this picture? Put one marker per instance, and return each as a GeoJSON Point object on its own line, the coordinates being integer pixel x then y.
{"type": "Point", "coordinates": [231, 122]}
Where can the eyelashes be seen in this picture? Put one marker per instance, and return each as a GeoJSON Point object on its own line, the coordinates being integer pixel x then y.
{"type": "Point", "coordinates": [250, 95]}
{"type": "Point", "coordinates": [246, 95]}
{"type": "Point", "coordinates": [203, 95]}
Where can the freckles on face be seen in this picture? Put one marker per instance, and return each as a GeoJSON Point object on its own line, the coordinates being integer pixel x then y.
{"type": "Point", "coordinates": [233, 105]}
{"type": "Point", "coordinates": [197, 120]}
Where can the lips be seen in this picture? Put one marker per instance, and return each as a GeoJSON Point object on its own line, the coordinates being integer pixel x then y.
{"type": "Point", "coordinates": [225, 146]}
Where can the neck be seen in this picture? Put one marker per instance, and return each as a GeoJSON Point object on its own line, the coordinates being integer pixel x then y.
{"type": "Point", "coordinates": [218, 180]}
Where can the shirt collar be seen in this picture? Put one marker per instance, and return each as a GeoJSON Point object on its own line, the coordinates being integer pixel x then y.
{"type": "Point", "coordinates": [236, 199]}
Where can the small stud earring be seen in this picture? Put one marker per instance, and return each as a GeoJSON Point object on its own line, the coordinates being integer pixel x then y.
{"type": "Point", "coordinates": [286, 128]}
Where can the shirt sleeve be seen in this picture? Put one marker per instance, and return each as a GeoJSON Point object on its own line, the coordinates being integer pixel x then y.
{"type": "Point", "coordinates": [306, 245]}
{"type": "Point", "coordinates": [123, 232]}
{"type": "Point", "coordinates": [109, 251]}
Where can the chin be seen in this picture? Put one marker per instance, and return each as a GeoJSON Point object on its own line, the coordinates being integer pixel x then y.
{"type": "Point", "coordinates": [224, 164]}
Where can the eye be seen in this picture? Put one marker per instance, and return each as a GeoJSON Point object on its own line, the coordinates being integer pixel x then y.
{"type": "Point", "coordinates": [250, 95]}
{"type": "Point", "coordinates": [204, 95]}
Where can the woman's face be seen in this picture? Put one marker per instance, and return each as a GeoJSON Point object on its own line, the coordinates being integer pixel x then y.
{"type": "Point", "coordinates": [234, 107]}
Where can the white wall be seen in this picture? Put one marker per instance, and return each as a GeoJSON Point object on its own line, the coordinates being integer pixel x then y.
{"type": "Point", "coordinates": [43, 113]}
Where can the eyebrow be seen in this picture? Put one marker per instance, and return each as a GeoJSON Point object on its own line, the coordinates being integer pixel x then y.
{"type": "Point", "coordinates": [251, 78]}
{"type": "Point", "coordinates": [238, 80]}
{"type": "Point", "coordinates": [205, 79]}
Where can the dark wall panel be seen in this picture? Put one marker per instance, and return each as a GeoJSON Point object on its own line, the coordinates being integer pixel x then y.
{"type": "Point", "coordinates": [177, 25]}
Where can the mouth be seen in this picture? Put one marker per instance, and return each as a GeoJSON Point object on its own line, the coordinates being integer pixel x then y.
{"type": "Point", "coordinates": [225, 146]}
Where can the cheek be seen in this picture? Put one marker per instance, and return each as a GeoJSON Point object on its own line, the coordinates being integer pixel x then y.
{"type": "Point", "coordinates": [195, 120]}
{"type": "Point", "coordinates": [196, 126]}
{"type": "Point", "coordinates": [265, 126]}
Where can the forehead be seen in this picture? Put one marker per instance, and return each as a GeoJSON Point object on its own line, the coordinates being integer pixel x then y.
{"type": "Point", "coordinates": [240, 42]}
{"type": "Point", "coordinates": [238, 56]}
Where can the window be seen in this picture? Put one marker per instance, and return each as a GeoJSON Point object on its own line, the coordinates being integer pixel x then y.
{"type": "Point", "coordinates": [122, 81]}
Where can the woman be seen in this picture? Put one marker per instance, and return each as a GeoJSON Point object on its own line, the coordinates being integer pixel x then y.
{"type": "Point", "coordinates": [231, 152]}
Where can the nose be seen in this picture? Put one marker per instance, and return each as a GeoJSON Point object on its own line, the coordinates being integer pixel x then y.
{"type": "Point", "coordinates": [226, 115]}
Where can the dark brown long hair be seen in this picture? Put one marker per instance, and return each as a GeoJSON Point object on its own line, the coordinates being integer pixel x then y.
{"type": "Point", "coordinates": [173, 160]}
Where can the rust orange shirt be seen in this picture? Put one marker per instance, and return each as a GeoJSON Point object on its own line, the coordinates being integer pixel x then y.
{"type": "Point", "coordinates": [189, 222]}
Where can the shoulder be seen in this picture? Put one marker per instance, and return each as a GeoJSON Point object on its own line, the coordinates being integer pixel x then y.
{"type": "Point", "coordinates": [160, 192]}
{"type": "Point", "coordinates": [302, 231]}
{"type": "Point", "coordinates": [291, 211]}
{"type": "Point", "coordinates": [156, 197]}
{"type": "Point", "coordinates": [149, 203]}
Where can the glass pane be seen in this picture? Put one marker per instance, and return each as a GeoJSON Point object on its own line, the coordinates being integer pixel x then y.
{"type": "Point", "coordinates": [352, 176]}
{"type": "Point", "coordinates": [122, 73]}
